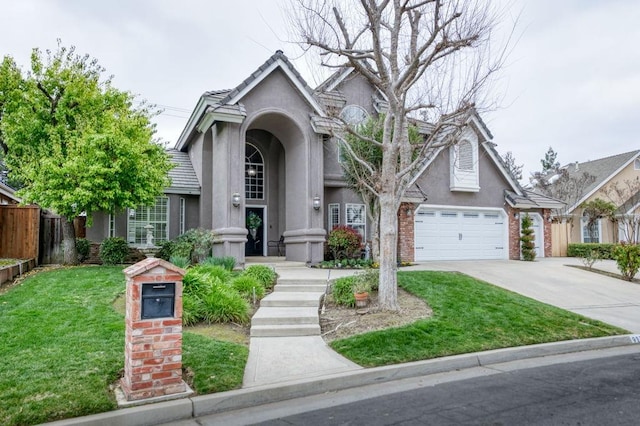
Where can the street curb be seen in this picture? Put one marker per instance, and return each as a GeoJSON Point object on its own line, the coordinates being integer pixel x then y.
{"type": "Point", "coordinates": [189, 408]}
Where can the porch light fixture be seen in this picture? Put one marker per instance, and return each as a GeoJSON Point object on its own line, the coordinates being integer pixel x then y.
{"type": "Point", "coordinates": [316, 203]}
{"type": "Point", "coordinates": [235, 199]}
{"type": "Point", "coordinates": [251, 172]}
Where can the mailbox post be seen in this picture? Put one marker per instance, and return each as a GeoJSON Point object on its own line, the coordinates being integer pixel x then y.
{"type": "Point", "coordinates": [153, 333]}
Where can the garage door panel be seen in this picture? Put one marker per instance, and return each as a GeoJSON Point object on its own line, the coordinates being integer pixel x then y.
{"type": "Point", "coordinates": [450, 235]}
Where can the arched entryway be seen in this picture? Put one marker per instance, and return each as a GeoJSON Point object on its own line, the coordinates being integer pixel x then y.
{"type": "Point", "coordinates": [291, 176]}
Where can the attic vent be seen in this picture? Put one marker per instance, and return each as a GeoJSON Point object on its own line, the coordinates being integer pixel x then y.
{"type": "Point", "coordinates": [465, 152]}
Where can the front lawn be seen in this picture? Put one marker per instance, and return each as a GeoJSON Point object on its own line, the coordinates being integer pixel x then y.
{"type": "Point", "coordinates": [63, 346]}
{"type": "Point", "coordinates": [468, 316]}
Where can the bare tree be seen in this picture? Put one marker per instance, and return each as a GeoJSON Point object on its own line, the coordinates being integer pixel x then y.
{"type": "Point", "coordinates": [560, 184]}
{"type": "Point", "coordinates": [429, 59]}
{"type": "Point", "coordinates": [626, 196]}
{"type": "Point", "coordinates": [510, 162]}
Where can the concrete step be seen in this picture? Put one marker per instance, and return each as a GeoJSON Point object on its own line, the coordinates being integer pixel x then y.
{"type": "Point", "coordinates": [292, 299]}
{"type": "Point", "coordinates": [318, 288]}
{"type": "Point", "coordinates": [302, 281]}
{"type": "Point", "coordinates": [285, 316]}
{"type": "Point", "coordinates": [285, 330]}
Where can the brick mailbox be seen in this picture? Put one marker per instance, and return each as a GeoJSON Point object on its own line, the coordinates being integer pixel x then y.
{"type": "Point", "coordinates": [153, 333]}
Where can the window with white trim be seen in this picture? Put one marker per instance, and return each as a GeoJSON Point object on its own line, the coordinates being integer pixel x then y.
{"type": "Point", "coordinates": [156, 216]}
{"type": "Point", "coordinates": [333, 216]}
{"type": "Point", "coordinates": [182, 215]}
{"type": "Point", "coordinates": [253, 173]}
{"type": "Point", "coordinates": [112, 226]}
{"type": "Point", "coordinates": [636, 164]}
{"type": "Point", "coordinates": [590, 233]}
{"type": "Point", "coordinates": [355, 216]}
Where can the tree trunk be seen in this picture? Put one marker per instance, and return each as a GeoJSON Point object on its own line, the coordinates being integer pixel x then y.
{"type": "Point", "coordinates": [69, 242]}
{"type": "Point", "coordinates": [388, 288]}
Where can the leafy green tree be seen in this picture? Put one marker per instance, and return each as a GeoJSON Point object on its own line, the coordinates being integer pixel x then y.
{"type": "Point", "coordinates": [77, 143]}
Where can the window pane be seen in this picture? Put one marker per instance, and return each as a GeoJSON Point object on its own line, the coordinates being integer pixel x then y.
{"type": "Point", "coordinates": [156, 216]}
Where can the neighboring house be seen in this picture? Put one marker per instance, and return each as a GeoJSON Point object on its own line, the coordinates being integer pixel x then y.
{"type": "Point", "coordinates": [265, 147]}
{"type": "Point", "coordinates": [614, 170]}
{"type": "Point", "coordinates": [7, 195]}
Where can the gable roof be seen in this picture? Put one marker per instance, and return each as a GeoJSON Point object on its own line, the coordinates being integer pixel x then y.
{"type": "Point", "coordinates": [183, 176]}
{"type": "Point", "coordinates": [223, 105]}
{"type": "Point", "coordinates": [603, 169]}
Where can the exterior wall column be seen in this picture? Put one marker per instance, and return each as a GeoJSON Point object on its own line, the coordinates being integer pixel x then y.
{"type": "Point", "coordinates": [305, 235]}
{"type": "Point", "coordinates": [227, 179]}
{"type": "Point", "coordinates": [514, 232]}
{"type": "Point", "coordinates": [406, 232]}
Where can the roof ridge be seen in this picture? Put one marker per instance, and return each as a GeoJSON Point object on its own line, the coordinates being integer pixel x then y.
{"type": "Point", "coordinates": [279, 55]}
{"type": "Point", "coordinates": [624, 154]}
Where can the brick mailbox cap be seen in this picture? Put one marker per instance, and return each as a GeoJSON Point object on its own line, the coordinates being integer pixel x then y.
{"type": "Point", "coordinates": [150, 263]}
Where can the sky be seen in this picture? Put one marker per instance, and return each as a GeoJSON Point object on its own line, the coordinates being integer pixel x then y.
{"type": "Point", "coordinates": [571, 80]}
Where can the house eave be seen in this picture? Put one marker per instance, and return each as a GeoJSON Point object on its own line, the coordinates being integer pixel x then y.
{"type": "Point", "coordinates": [182, 191]}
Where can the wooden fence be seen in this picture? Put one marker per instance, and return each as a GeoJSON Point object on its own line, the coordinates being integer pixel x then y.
{"type": "Point", "coordinates": [560, 238]}
{"type": "Point", "coordinates": [19, 231]}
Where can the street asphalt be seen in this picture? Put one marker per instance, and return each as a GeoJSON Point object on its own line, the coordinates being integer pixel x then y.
{"type": "Point", "coordinates": [548, 280]}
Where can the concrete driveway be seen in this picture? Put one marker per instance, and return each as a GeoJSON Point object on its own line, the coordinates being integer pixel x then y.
{"type": "Point", "coordinates": [551, 281]}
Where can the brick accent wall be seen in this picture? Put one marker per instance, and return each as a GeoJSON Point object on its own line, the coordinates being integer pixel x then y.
{"type": "Point", "coordinates": [406, 241]}
{"type": "Point", "coordinates": [514, 233]}
{"type": "Point", "coordinates": [153, 347]}
{"type": "Point", "coordinates": [546, 216]}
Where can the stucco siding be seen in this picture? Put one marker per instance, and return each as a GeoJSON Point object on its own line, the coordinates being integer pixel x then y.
{"type": "Point", "coordinates": [435, 183]}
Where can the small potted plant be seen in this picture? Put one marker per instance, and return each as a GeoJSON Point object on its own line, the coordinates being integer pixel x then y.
{"type": "Point", "coordinates": [361, 288]}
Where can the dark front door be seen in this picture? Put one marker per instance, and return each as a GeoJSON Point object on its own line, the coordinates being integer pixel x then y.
{"type": "Point", "coordinates": [255, 243]}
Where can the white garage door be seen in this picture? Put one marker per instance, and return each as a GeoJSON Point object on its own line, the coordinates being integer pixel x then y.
{"type": "Point", "coordinates": [460, 234]}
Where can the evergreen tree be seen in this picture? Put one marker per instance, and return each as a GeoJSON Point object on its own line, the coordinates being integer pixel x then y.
{"type": "Point", "coordinates": [549, 162]}
{"type": "Point", "coordinates": [527, 238]}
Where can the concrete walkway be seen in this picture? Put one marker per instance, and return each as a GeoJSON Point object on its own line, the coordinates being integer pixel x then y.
{"type": "Point", "coordinates": [285, 342]}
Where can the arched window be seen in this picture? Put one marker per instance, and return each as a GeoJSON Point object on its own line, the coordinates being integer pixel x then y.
{"type": "Point", "coordinates": [464, 164]}
{"type": "Point", "coordinates": [253, 173]}
{"type": "Point", "coordinates": [354, 115]}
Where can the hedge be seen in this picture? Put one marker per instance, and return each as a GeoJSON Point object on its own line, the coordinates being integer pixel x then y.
{"type": "Point", "coordinates": [605, 251]}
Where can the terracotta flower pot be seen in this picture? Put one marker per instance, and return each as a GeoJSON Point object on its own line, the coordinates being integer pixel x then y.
{"type": "Point", "coordinates": [362, 299]}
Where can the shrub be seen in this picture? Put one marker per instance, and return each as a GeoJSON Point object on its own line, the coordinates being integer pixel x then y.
{"type": "Point", "coordinates": [165, 250]}
{"type": "Point", "coordinates": [246, 285]}
{"type": "Point", "coordinates": [83, 246]}
{"type": "Point", "coordinates": [627, 257]}
{"type": "Point", "coordinates": [192, 309]}
{"type": "Point", "coordinates": [369, 278]}
{"type": "Point", "coordinates": [527, 240]}
{"type": "Point", "coordinates": [224, 304]}
{"type": "Point", "coordinates": [200, 241]}
{"type": "Point", "coordinates": [264, 274]}
{"type": "Point", "coordinates": [214, 271]}
{"type": "Point", "coordinates": [604, 251]}
{"type": "Point", "coordinates": [113, 251]}
{"type": "Point", "coordinates": [342, 291]}
{"type": "Point", "coordinates": [180, 261]}
{"type": "Point", "coordinates": [590, 258]}
{"type": "Point", "coordinates": [344, 242]}
{"type": "Point", "coordinates": [227, 262]}
{"type": "Point", "coordinates": [195, 283]}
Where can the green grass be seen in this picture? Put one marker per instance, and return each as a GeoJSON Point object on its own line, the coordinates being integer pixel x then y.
{"type": "Point", "coordinates": [468, 316]}
{"type": "Point", "coordinates": [63, 346]}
